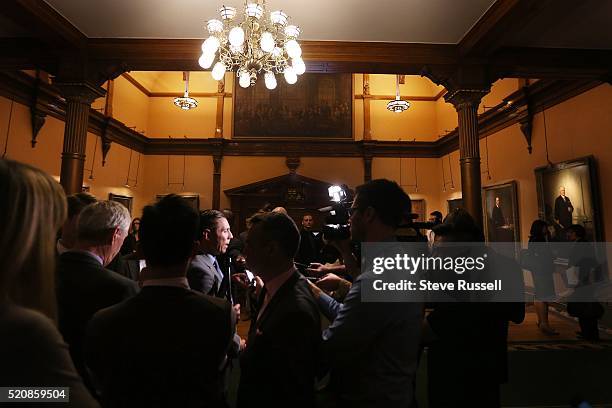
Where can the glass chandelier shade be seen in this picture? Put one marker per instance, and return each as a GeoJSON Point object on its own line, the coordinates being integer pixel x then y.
{"type": "Point", "coordinates": [397, 105]}
{"type": "Point", "coordinates": [186, 102]}
{"type": "Point", "coordinates": [259, 43]}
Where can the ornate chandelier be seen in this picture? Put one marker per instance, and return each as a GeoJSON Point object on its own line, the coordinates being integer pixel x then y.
{"type": "Point", "coordinates": [186, 102]}
{"type": "Point", "coordinates": [397, 105]}
{"type": "Point", "coordinates": [259, 42]}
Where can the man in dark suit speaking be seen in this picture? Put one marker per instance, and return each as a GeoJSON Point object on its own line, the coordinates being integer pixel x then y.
{"type": "Point", "coordinates": [166, 346]}
{"type": "Point", "coordinates": [563, 209]}
{"type": "Point", "coordinates": [279, 363]}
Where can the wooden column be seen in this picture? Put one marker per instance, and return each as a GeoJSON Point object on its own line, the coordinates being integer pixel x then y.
{"type": "Point", "coordinates": [110, 92]}
{"type": "Point", "coordinates": [216, 198]}
{"type": "Point", "coordinates": [79, 96]}
{"type": "Point", "coordinates": [220, 103]}
{"type": "Point", "coordinates": [367, 124]}
{"type": "Point", "coordinates": [367, 168]}
{"type": "Point", "coordinates": [466, 103]}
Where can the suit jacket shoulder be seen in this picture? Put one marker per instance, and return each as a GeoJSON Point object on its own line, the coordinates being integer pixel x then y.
{"type": "Point", "coordinates": [173, 342]}
{"type": "Point", "coordinates": [201, 274]}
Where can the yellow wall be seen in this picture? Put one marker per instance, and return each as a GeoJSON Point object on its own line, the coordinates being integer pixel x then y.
{"type": "Point", "coordinates": [499, 90]}
{"type": "Point", "coordinates": [159, 118]}
{"type": "Point", "coordinates": [238, 171]}
{"type": "Point", "coordinates": [130, 105]}
{"type": "Point", "coordinates": [428, 178]}
{"type": "Point", "coordinates": [452, 177]}
{"type": "Point", "coordinates": [47, 154]}
{"type": "Point", "coordinates": [49, 141]}
{"type": "Point", "coordinates": [418, 122]}
{"type": "Point", "coordinates": [578, 127]}
{"type": "Point", "coordinates": [165, 119]}
{"type": "Point", "coordinates": [197, 177]}
{"type": "Point", "coordinates": [575, 128]}
{"type": "Point", "coordinates": [113, 176]}
{"type": "Point", "coordinates": [339, 170]}
{"type": "Point", "coordinates": [446, 117]}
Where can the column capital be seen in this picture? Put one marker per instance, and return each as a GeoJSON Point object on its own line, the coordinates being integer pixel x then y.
{"type": "Point", "coordinates": [466, 84]}
{"type": "Point", "coordinates": [367, 167]}
{"type": "Point", "coordinates": [79, 91]}
{"type": "Point", "coordinates": [465, 97]}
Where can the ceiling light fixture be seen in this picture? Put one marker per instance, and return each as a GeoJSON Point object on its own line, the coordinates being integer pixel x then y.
{"type": "Point", "coordinates": [258, 43]}
{"type": "Point", "coordinates": [397, 105]}
{"type": "Point", "coordinates": [186, 102]}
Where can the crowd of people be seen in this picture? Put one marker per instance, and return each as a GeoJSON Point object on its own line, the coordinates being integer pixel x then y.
{"type": "Point", "coordinates": [154, 324]}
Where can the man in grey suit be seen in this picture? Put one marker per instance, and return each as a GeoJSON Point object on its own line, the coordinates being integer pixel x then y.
{"type": "Point", "coordinates": [204, 273]}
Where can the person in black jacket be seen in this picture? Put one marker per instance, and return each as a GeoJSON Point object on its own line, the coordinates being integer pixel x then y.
{"type": "Point", "coordinates": [583, 257]}
{"type": "Point", "coordinates": [278, 365]}
{"type": "Point", "coordinates": [467, 354]}
{"type": "Point", "coordinates": [538, 260]}
{"type": "Point", "coordinates": [166, 346]}
{"type": "Point", "coordinates": [311, 243]}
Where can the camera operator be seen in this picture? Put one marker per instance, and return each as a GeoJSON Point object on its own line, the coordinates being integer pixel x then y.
{"type": "Point", "coordinates": [370, 347]}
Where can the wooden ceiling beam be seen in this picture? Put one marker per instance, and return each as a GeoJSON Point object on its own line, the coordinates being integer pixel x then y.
{"type": "Point", "coordinates": [320, 56]}
{"type": "Point", "coordinates": [554, 63]}
{"type": "Point", "coordinates": [44, 22]}
{"type": "Point", "coordinates": [502, 17]}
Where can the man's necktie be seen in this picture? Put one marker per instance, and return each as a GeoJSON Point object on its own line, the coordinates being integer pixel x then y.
{"type": "Point", "coordinates": [264, 297]}
{"type": "Point", "coordinates": [223, 288]}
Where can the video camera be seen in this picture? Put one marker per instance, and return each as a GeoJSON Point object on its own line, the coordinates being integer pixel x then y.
{"type": "Point", "coordinates": [413, 231]}
{"type": "Point", "coordinates": [336, 225]}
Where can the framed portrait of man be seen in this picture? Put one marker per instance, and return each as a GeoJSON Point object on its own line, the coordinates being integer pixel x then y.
{"type": "Point", "coordinates": [501, 215]}
{"type": "Point", "coordinates": [125, 200]}
{"type": "Point", "coordinates": [568, 193]}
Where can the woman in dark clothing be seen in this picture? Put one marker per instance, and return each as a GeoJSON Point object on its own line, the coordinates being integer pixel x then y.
{"type": "Point", "coordinates": [32, 351]}
{"type": "Point", "coordinates": [131, 241]}
{"type": "Point", "coordinates": [539, 261]}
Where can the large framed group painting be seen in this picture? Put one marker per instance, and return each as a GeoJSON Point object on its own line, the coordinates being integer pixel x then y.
{"type": "Point", "coordinates": [568, 193]}
{"type": "Point", "coordinates": [317, 106]}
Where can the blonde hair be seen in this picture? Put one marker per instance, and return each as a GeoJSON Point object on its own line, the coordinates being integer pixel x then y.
{"type": "Point", "coordinates": [32, 209]}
